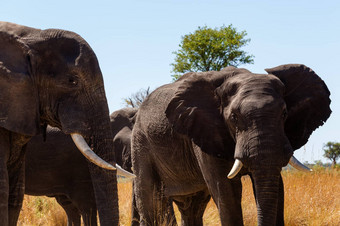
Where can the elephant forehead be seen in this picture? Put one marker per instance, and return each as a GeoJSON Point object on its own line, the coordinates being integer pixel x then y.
{"type": "Point", "coordinates": [258, 93]}
{"type": "Point", "coordinates": [248, 83]}
{"type": "Point", "coordinates": [260, 103]}
{"type": "Point", "coordinates": [256, 80]}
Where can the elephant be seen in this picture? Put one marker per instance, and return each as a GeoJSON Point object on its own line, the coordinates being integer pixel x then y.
{"type": "Point", "coordinates": [193, 139]}
{"type": "Point", "coordinates": [52, 77]}
{"type": "Point", "coordinates": [55, 168]}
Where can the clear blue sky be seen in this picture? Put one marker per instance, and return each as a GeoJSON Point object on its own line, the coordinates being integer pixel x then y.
{"type": "Point", "coordinates": [134, 40]}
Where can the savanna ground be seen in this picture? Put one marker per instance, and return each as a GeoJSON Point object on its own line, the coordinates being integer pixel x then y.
{"type": "Point", "coordinates": [310, 199]}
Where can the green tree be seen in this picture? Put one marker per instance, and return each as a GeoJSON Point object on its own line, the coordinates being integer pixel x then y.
{"type": "Point", "coordinates": [332, 151]}
{"type": "Point", "coordinates": [211, 49]}
{"type": "Point", "coordinates": [137, 98]}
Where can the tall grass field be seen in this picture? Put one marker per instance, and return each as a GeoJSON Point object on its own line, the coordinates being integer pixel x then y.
{"type": "Point", "coordinates": [310, 199]}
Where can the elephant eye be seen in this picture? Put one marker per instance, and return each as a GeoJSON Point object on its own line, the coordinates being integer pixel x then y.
{"type": "Point", "coordinates": [233, 117]}
{"type": "Point", "coordinates": [284, 114]}
{"type": "Point", "coordinates": [72, 81]}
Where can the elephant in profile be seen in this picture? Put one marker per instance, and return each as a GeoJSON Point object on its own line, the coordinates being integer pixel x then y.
{"type": "Point", "coordinates": [194, 138]}
{"type": "Point", "coordinates": [52, 77]}
{"type": "Point", "coordinates": [55, 168]}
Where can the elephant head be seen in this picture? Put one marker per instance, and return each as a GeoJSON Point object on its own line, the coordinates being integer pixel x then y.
{"type": "Point", "coordinates": [122, 122]}
{"type": "Point", "coordinates": [53, 77]}
{"type": "Point", "coordinates": [264, 116]}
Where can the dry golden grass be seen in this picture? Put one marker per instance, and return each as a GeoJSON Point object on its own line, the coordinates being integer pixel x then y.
{"type": "Point", "coordinates": [310, 199]}
{"type": "Point", "coordinates": [41, 211]}
{"type": "Point", "coordinates": [124, 194]}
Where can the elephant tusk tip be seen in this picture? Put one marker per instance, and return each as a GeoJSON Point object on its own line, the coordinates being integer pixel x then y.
{"type": "Point", "coordinates": [230, 176]}
{"type": "Point", "coordinates": [235, 169]}
{"type": "Point", "coordinates": [111, 167]}
{"type": "Point", "coordinates": [124, 173]}
{"type": "Point", "coordinates": [298, 165]}
{"type": "Point", "coordinates": [84, 148]}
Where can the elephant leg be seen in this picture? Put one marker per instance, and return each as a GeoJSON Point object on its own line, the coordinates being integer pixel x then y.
{"type": "Point", "coordinates": [148, 194]}
{"type": "Point", "coordinates": [135, 218]}
{"type": "Point", "coordinates": [89, 215]}
{"type": "Point", "coordinates": [83, 198]}
{"type": "Point", "coordinates": [226, 193]}
{"type": "Point", "coordinates": [166, 211]}
{"type": "Point", "coordinates": [192, 208]}
{"type": "Point", "coordinates": [16, 174]}
{"type": "Point", "coordinates": [170, 213]}
{"type": "Point", "coordinates": [145, 183]}
{"type": "Point", "coordinates": [4, 183]}
{"type": "Point", "coordinates": [227, 196]}
{"type": "Point", "coordinates": [146, 202]}
{"type": "Point", "coordinates": [73, 216]}
{"type": "Point", "coordinates": [16, 195]}
{"type": "Point", "coordinates": [280, 206]}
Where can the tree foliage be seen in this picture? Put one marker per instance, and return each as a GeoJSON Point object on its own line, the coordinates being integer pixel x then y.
{"type": "Point", "coordinates": [211, 49]}
{"type": "Point", "coordinates": [137, 98]}
{"type": "Point", "coordinates": [332, 151]}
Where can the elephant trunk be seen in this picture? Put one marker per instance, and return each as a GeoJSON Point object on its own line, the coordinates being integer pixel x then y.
{"type": "Point", "coordinates": [105, 184]}
{"type": "Point", "coordinates": [267, 192]}
{"type": "Point", "coordinates": [264, 156]}
{"type": "Point", "coordinates": [105, 189]}
{"type": "Point", "coordinates": [104, 181]}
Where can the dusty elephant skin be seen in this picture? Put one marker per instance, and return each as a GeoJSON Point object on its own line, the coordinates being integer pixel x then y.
{"type": "Point", "coordinates": [51, 77]}
{"type": "Point", "coordinates": [56, 169]}
{"type": "Point", "coordinates": [188, 134]}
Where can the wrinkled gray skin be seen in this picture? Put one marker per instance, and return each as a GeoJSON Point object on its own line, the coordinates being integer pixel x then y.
{"type": "Point", "coordinates": [188, 133]}
{"type": "Point", "coordinates": [51, 77]}
{"type": "Point", "coordinates": [56, 169]}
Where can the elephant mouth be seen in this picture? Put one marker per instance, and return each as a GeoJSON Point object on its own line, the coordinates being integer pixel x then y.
{"type": "Point", "coordinates": [292, 161]}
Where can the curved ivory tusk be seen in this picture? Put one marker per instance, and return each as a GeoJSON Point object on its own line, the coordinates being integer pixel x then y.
{"type": "Point", "coordinates": [88, 153]}
{"type": "Point", "coordinates": [298, 165]}
{"type": "Point", "coordinates": [124, 173]}
{"type": "Point", "coordinates": [236, 168]}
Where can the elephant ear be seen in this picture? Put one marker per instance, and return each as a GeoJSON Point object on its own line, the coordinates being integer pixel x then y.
{"type": "Point", "coordinates": [18, 97]}
{"type": "Point", "coordinates": [194, 111]}
{"type": "Point", "coordinates": [307, 101]}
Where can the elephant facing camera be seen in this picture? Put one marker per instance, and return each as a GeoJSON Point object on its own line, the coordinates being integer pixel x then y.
{"type": "Point", "coordinates": [193, 139]}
